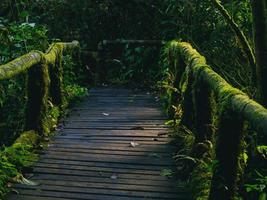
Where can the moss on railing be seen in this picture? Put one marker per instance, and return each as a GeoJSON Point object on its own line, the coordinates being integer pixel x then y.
{"type": "Point", "coordinates": [45, 75]}
{"type": "Point", "coordinates": [235, 107]}
{"type": "Point", "coordinates": [19, 65]}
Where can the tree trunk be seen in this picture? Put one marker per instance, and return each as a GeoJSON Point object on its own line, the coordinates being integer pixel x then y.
{"type": "Point", "coordinates": [260, 40]}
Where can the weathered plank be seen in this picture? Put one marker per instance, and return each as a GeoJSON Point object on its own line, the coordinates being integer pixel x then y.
{"type": "Point", "coordinates": [113, 146]}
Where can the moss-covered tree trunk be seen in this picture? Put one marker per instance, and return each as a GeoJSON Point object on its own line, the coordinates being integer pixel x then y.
{"type": "Point", "coordinates": [260, 39]}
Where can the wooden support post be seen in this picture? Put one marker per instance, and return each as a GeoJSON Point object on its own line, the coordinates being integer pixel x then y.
{"type": "Point", "coordinates": [101, 63]}
{"type": "Point", "coordinates": [56, 76]}
{"type": "Point", "coordinates": [178, 67]}
{"type": "Point", "coordinates": [230, 144]}
{"type": "Point", "coordinates": [38, 85]}
{"type": "Point", "coordinates": [203, 111]}
{"type": "Point", "coordinates": [188, 105]}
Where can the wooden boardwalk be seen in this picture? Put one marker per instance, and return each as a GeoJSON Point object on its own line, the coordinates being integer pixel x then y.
{"type": "Point", "coordinates": [112, 147]}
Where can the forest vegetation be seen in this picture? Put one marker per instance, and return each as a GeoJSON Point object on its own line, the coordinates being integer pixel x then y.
{"type": "Point", "coordinates": [230, 34]}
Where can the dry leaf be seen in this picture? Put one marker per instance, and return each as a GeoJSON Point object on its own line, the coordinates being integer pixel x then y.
{"type": "Point", "coordinates": [114, 177]}
{"type": "Point", "coordinates": [133, 144]}
{"type": "Point", "coordinates": [9, 185]}
{"type": "Point", "coordinates": [105, 114]}
{"type": "Point", "coordinates": [25, 181]}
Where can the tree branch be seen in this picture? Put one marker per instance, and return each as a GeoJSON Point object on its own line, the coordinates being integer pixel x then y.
{"type": "Point", "coordinates": [242, 39]}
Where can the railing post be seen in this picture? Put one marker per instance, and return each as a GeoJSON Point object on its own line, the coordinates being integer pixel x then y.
{"type": "Point", "coordinates": [230, 144]}
{"type": "Point", "coordinates": [203, 110]}
{"type": "Point", "coordinates": [56, 76]}
{"type": "Point", "coordinates": [101, 62]}
{"type": "Point", "coordinates": [38, 86]}
{"type": "Point", "coordinates": [187, 119]}
{"type": "Point", "coordinates": [178, 68]}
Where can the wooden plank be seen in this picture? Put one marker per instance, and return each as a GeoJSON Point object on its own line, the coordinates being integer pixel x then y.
{"type": "Point", "coordinates": [107, 154]}
{"type": "Point", "coordinates": [107, 175]}
{"type": "Point", "coordinates": [85, 196]}
{"type": "Point", "coordinates": [114, 138]}
{"type": "Point", "coordinates": [29, 197]}
{"type": "Point", "coordinates": [105, 164]}
{"type": "Point", "coordinates": [98, 169]}
{"type": "Point", "coordinates": [133, 133]}
{"type": "Point", "coordinates": [92, 191]}
{"type": "Point", "coordinates": [104, 142]}
{"type": "Point", "coordinates": [111, 147]}
{"type": "Point", "coordinates": [144, 160]}
{"type": "Point", "coordinates": [89, 179]}
{"type": "Point", "coordinates": [113, 152]}
{"type": "Point", "coordinates": [89, 185]}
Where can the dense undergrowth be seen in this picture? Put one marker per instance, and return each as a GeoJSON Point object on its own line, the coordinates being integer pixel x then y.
{"type": "Point", "coordinates": [196, 161]}
{"type": "Point", "coordinates": [18, 38]}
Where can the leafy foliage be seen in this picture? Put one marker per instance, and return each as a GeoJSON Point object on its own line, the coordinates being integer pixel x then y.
{"type": "Point", "coordinates": [12, 160]}
{"type": "Point", "coordinates": [15, 40]}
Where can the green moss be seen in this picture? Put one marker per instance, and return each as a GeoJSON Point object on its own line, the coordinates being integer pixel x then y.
{"type": "Point", "coordinates": [26, 61]}
{"type": "Point", "coordinates": [19, 65]}
{"type": "Point", "coordinates": [234, 106]}
{"type": "Point", "coordinates": [224, 92]}
{"type": "Point", "coordinates": [41, 114]}
{"type": "Point", "coordinates": [54, 56]}
{"type": "Point", "coordinates": [28, 138]}
{"type": "Point", "coordinates": [13, 159]}
{"type": "Point", "coordinates": [200, 181]}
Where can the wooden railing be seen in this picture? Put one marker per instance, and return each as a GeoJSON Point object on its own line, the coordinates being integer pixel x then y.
{"type": "Point", "coordinates": [204, 86]}
{"type": "Point", "coordinates": [45, 76]}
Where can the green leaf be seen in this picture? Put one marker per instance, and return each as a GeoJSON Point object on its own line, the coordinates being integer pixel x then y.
{"type": "Point", "coordinates": [24, 14]}
{"type": "Point", "coordinates": [166, 172]}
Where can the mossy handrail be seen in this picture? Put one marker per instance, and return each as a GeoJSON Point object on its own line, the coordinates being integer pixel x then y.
{"type": "Point", "coordinates": [235, 107]}
{"type": "Point", "coordinates": [44, 79]}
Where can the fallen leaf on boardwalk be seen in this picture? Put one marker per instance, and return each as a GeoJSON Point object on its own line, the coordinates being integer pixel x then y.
{"type": "Point", "coordinates": [133, 144]}
{"type": "Point", "coordinates": [9, 184]}
{"type": "Point", "coordinates": [25, 181]}
{"type": "Point", "coordinates": [114, 177]}
{"type": "Point", "coordinates": [105, 114]}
